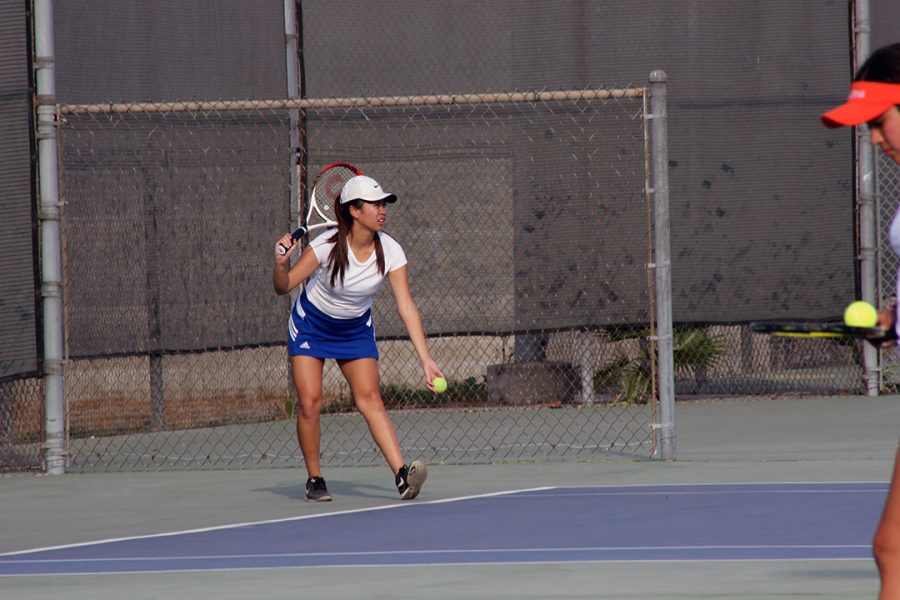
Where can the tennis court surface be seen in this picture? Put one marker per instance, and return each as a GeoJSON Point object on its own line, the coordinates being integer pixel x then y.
{"type": "Point", "coordinates": [769, 499]}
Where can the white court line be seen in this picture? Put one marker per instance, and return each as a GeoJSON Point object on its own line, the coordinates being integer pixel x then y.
{"type": "Point", "coordinates": [271, 521]}
{"type": "Point", "coordinates": [756, 484]}
{"type": "Point", "coordinates": [767, 487]}
{"type": "Point", "coordinates": [459, 551]}
{"type": "Point", "coordinates": [698, 493]}
{"type": "Point", "coordinates": [444, 565]}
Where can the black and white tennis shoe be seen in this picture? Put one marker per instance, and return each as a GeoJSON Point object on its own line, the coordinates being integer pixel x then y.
{"type": "Point", "coordinates": [409, 479]}
{"type": "Point", "coordinates": [316, 491]}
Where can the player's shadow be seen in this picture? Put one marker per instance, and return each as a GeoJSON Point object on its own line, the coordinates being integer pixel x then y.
{"type": "Point", "coordinates": [337, 488]}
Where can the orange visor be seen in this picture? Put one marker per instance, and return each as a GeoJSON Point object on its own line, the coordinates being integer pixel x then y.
{"type": "Point", "coordinates": [867, 100]}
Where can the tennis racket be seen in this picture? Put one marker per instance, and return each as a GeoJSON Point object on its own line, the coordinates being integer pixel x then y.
{"type": "Point", "coordinates": [873, 335]}
{"type": "Point", "coordinates": [326, 187]}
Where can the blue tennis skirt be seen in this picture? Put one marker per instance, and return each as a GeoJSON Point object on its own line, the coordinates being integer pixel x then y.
{"type": "Point", "coordinates": [313, 333]}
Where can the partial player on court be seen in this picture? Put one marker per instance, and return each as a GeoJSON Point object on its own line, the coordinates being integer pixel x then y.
{"type": "Point", "coordinates": [874, 100]}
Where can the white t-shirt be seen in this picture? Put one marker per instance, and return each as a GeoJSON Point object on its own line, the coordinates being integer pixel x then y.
{"type": "Point", "coordinates": [361, 279]}
{"type": "Point", "coordinates": [894, 239]}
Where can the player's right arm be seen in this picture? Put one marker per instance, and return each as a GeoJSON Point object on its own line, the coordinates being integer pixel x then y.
{"type": "Point", "coordinates": [886, 320]}
{"type": "Point", "coordinates": [285, 278]}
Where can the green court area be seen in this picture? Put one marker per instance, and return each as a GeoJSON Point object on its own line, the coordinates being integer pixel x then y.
{"type": "Point", "coordinates": [809, 440]}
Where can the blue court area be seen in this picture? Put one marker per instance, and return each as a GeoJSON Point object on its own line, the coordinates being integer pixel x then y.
{"type": "Point", "coordinates": [753, 521]}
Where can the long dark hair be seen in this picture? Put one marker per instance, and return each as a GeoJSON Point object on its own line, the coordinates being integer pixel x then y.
{"type": "Point", "coordinates": [882, 66]}
{"type": "Point", "coordinates": [338, 259]}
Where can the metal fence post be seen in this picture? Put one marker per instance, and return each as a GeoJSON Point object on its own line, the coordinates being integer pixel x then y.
{"type": "Point", "coordinates": [51, 250]}
{"type": "Point", "coordinates": [662, 262]}
{"type": "Point", "coordinates": [866, 203]}
{"type": "Point", "coordinates": [292, 41]}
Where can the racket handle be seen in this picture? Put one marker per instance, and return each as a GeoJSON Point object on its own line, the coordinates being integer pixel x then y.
{"type": "Point", "coordinates": [889, 336]}
{"type": "Point", "coordinates": [296, 235]}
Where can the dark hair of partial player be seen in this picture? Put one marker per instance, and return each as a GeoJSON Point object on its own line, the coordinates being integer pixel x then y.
{"type": "Point", "coordinates": [882, 66]}
{"type": "Point", "coordinates": [338, 258]}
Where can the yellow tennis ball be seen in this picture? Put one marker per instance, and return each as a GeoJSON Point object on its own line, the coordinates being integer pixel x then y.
{"type": "Point", "coordinates": [860, 314]}
{"type": "Point", "coordinates": [440, 385]}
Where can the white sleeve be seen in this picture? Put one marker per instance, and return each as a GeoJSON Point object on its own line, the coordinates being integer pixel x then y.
{"type": "Point", "coordinates": [394, 257]}
{"type": "Point", "coordinates": [321, 246]}
{"type": "Point", "coordinates": [897, 308]}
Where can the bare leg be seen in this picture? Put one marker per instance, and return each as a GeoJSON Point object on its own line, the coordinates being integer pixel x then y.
{"type": "Point", "coordinates": [886, 545]}
{"type": "Point", "coordinates": [362, 375]}
{"type": "Point", "coordinates": [307, 373]}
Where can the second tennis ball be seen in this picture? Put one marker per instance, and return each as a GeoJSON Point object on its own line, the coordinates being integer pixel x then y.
{"type": "Point", "coordinates": [440, 385]}
{"type": "Point", "coordinates": [860, 314]}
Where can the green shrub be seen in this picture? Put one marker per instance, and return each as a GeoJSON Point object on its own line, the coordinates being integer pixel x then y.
{"type": "Point", "coordinates": [695, 351]}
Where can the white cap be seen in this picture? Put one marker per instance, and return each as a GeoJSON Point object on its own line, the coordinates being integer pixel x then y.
{"type": "Point", "coordinates": [364, 188]}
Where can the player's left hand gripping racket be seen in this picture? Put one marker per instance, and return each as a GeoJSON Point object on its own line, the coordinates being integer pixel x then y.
{"type": "Point", "coordinates": [326, 187]}
{"type": "Point", "coordinates": [873, 335]}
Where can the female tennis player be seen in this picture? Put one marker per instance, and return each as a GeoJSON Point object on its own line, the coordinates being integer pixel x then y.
{"type": "Point", "coordinates": [332, 318]}
{"type": "Point", "coordinates": [875, 100]}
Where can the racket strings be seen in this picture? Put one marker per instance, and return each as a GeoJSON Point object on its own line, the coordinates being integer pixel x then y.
{"type": "Point", "coordinates": [326, 189]}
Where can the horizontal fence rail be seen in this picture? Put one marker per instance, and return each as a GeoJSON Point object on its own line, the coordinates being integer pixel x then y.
{"type": "Point", "coordinates": [314, 103]}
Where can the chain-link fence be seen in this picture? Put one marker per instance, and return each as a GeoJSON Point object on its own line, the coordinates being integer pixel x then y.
{"type": "Point", "coordinates": [176, 340]}
{"type": "Point", "coordinates": [21, 424]}
{"type": "Point", "coordinates": [888, 203]}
